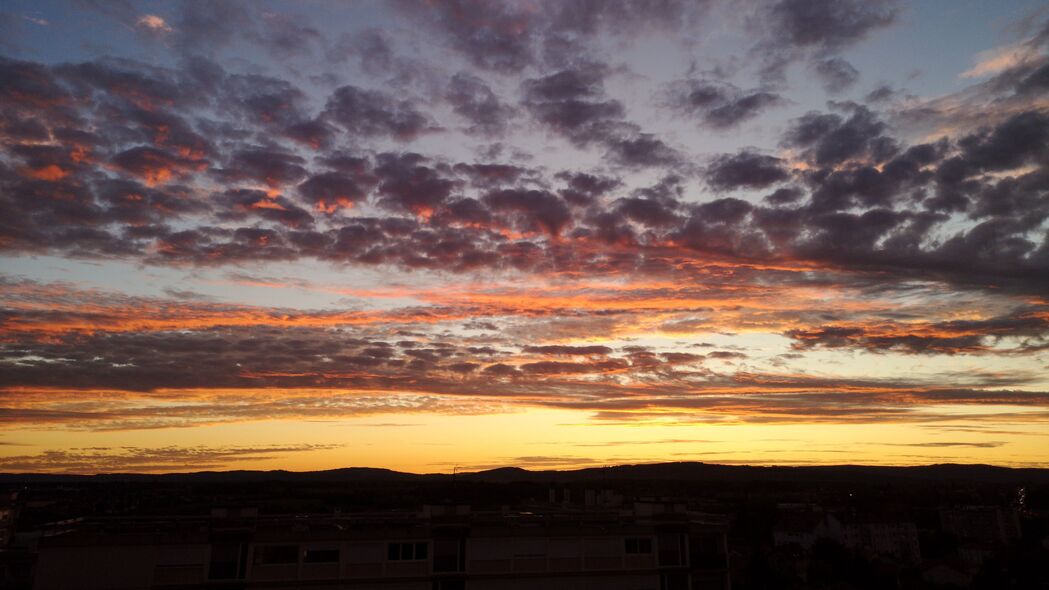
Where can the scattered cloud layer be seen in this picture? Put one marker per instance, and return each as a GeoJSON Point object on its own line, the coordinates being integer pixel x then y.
{"type": "Point", "coordinates": [555, 219]}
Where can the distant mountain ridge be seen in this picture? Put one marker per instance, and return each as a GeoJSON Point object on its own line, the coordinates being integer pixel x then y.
{"type": "Point", "coordinates": [681, 471]}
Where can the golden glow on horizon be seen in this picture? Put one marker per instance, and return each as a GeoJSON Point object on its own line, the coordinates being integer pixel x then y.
{"type": "Point", "coordinates": [541, 439]}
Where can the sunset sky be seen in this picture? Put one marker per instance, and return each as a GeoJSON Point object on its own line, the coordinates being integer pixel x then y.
{"type": "Point", "coordinates": [429, 235]}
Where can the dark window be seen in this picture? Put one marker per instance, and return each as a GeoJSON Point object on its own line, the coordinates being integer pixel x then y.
{"type": "Point", "coordinates": [449, 554]}
{"type": "Point", "coordinates": [276, 554]}
{"type": "Point", "coordinates": [637, 545]}
{"type": "Point", "coordinates": [671, 549]}
{"type": "Point", "coordinates": [225, 557]}
{"type": "Point", "coordinates": [406, 551]}
{"type": "Point", "coordinates": [320, 556]}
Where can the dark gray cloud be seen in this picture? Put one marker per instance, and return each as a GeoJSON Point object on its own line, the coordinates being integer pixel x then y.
{"type": "Point", "coordinates": [1024, 330]}
{"type": "Point", "coordinates": [264, 166]}
{"type": "Point", "coordinates": [507, 36]}
{"type": "Point", "coordinates": [796, 29]}
{"type": "Point", "coordinates": [245, 204]}
{"type": "Point", "coordinates": [718, 105]}
{"type": "Point", "coordinates": [836, 74]}
{"type": "Point", "coordinates": [408, 182]}
{"type": "Point", "coordinates": [532, 210]}
{"type": "Point", "coordinates": [572, 102]}
{"type": "Point", "coordinates": [746, 169]}
{"type": "Point", "coordinates": [370, 113]}
{"type": "Point", "coordinates": [828, 25]}
{"type": "Point", "coordinates": [831, 138]}
{"type": "Point", "coordinates": [330, 191]}
{"type": "Point", "coordinates": [472, 99]}
{"type": "Point", "coordinates": [563, 350]}
{"type": "Point", "coordinates": [165, 165]}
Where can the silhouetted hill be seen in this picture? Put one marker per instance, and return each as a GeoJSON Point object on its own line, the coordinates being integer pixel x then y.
{"type": "Point", "coordinates": [348, 474]}
{"type": "Point", "coordinates": [689, 471]}
{"type": "Point", "coordinates": [509, 474]}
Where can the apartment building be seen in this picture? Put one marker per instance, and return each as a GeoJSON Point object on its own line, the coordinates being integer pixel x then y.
{"type": "Point", "coordinates": [439, 548]}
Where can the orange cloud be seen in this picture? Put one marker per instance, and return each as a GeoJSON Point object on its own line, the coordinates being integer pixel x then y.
{"type": "Point", "coordinates": [50, 173]}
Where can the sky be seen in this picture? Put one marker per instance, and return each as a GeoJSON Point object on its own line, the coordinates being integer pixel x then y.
{"type": "Point", "coordinates": [453, 235]}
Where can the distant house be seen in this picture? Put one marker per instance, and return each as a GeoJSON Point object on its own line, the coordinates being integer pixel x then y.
{"type": "Point", "coordinates": [984, 524]}
{"type": "Point", "coordinates": [876, 537]}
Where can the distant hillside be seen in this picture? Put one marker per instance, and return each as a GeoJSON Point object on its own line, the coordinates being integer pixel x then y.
{"type": "Point", "coordinates": [348, 474]}
{"type": "Point", "coordinates": [692, 472]}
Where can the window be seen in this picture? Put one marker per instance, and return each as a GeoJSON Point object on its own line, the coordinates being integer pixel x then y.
{"type": "Point", "coordinates": [229, 560]}
{"type": "Point", "coordinates": [671, 549]}
{"type": "Point", "coordinates": [406, 551]}
{"type": "Point", "coordinates": [637, 545]}
{"type": "Point", "coordinates": [449, 554]}
{"type": "Point", "coordinates": [320, 555]}
{"type": "Point", "coordinates": [276, 554]}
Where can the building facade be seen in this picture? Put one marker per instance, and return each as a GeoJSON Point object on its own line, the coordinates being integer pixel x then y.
{"type": "Point", "coordinates": [437, 549]}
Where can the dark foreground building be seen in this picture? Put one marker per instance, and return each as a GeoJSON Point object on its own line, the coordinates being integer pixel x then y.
{"type": "Point", "coordinates": [649, 547]}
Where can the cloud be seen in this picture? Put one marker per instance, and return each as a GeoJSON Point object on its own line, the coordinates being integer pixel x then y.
{"type": "Point", "coordinates": [746, 169]}
{"type": "Point", "coordinates": [264, 166]}
{"type": "Point", "coordinates": [154, 23]}
{"type": "Point", "coordinates": [950, 444]}
{"type": "Point", "coordinates": [563, 350]}
{"type": "Point", "coordinates": [472, 99]}
{"type": "Point", "coordinates": [572, 103]}
{"type": "Point", "coordinates": [93, 460]}
{"type": "Point", "coordinates": [331, 191]}
{"type": "Point", "coordinates": [532, 210]}
{"type": "Point", "coordinates": [154, 166]}
{"type": "Point", "coordinates": [287, 36]}
{"type": "Point", "coordinates": [241, 204]}
{"type": "Point", "coordinates": [1027, 328]}
{"type": "Point", "coordinates": [716, 104]}
{"type": "Point", "coordinates": [195, 165]}
{"type": "Point", "coordinates": [1009, 83]}
{"type": "Point", "coordinates": [92, 360]}
{"type": "Point", "coordinates": [836, 74]}
{"type": "Point", "coordinates": [374, 113]}
{"type": "Point", "coordinates": [507, 36]}
{"type": "Point", "coordinates": [409, 183]}
{"type": "Point", "coordinates": [830, 138]}
{"type": "Point", "coordinates": [851, 202]}
{"type": "Point", "coordinates": [1000, 59]}
{"type": "Point", "coordinates": [377, 54]}
{"type": "Point", "coordinates": [826, 24]}
{"type": "Point", "coordinates": [203, 27]}
{"type": "Point", "coordinates": [793, 29]}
